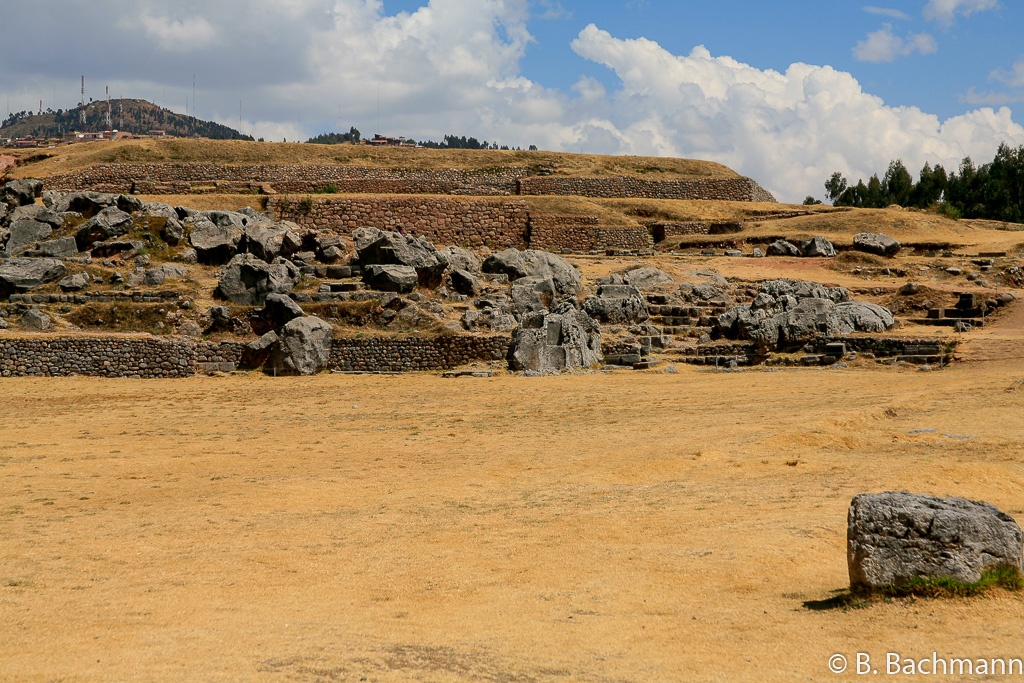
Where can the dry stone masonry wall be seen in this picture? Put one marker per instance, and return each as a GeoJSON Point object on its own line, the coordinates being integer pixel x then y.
{"type": "Point", "coordinates": [474, 222]}
{"type": "Point", "coordinates": [722, 189]}
{"type": "Point", "coordinates": [155, 358]}
{"type": "Point", "coordinates": [589, 237]}
{"type": "Point", "coordinates": [206, 178]}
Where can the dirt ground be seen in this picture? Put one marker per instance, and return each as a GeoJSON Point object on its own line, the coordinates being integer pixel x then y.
{"type": "Point", "coordinates": [606, 527]}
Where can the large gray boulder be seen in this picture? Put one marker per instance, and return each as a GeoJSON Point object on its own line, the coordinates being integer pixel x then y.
{"type": "Point", "coordinates": [788, 313]}
{"type": "Point", "coordinates": [160, 209]}
{"type": "Point", "coordinates": [564, 339]}
{"type": "Point", "coordinates": [647, 277]}
{"type": "Point", "coordinates": [74, 283]}
{"type": "Point", "coordinates": [817, 247]}
{"type": "Point", "coordinates": [391, 278]}
{"type": "Point", "coordinates": [108, 223]}
{"type": "Point", "coordinates": [247, 280]}
{"type": "Point", "coordinates": [303, 347]}
{"type": "Point", "coordinates": [395, 249]}
{"type": "Point", "coordinates": [532, 294]}
{"type": "Point", "coordinates": [172, 232]}
{"type": "Point", "coordinates": [86, 203]}
{"type": "Point", "coordinates": [215, 244]}
{"type": "Point", "coordinates": [864, 317]}
{"type": "Point", "coordinates": [876, 243]}
{"type": "Point", "coordinates": [617, 305]}
{"type": "Point", "coordinates": [508, 262]}
{"type": "Point", "coordinates": [566, 279]}
{"type": "Point", "coordinates": [464, 282]}
{"type": "Point", "coordinates": [38, 212]}
{"type": "Point", "coordinates": [21, 192]}
{"type": "Point", "coordinates": [462, 258]}
{"type": "Point", "coordinates": [62, 247]}
{"type": "Point", "coordinates": [782, 248]}
{"type": "Point", "coordinates": [225, 219]}
{"type": "Point", "coordinates": [895, 537]}
{"type": "Point", "coordinates": [26, 232]}
{"type": "Point", "coordinates": [157, 276]}
{"type": "Point", "coordinates": [268, 240]}
{"type": "Point", "coordinates": [34, 319]}
{"type": "Point", "coordinates": [278, 311]}
{"type": "Point", "coordinates": [19, 275]}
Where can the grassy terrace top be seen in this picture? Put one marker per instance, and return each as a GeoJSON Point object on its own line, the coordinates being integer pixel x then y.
{"type": "Point", "coordinates": [78, 157]}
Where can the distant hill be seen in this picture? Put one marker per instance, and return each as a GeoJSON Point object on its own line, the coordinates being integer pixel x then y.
{"type": "Point", "coordinates": [127, 115]}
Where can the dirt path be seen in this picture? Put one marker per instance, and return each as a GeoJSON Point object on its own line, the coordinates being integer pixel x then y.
{"type": "Point", "coordinates": [1002, 339]}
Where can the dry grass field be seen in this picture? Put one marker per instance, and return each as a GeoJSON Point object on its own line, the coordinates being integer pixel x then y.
{"type": "Point", "coordinates": [606, 527]}
{"type": "Point", "coordinates": [74, 158]}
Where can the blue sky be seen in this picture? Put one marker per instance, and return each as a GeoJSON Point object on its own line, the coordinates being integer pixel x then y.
{"type": "Point", "coordinates": [783, 91]}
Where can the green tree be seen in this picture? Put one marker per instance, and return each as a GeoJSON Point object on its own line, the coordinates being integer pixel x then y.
{"type": "Point", "coordinates": [835, 187]}
{"type": "Point", "coordinates": [898, 183]}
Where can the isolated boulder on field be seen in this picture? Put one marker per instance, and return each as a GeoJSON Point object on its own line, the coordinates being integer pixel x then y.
{"type": "Point", "coordinates": [617, 305]}
{"type": "Point", "coordinates": [508, 262]}
{"type": "Point", "coordinates": [395, 249]}
{"type": "Point", "coordinates": [108, 223]}
{"type": "Point", "coordinates": [876, 243]}
{"type": "Point", "coordinates": [566, 338]}
{"type": "Point", "coordinates": [21, 192]}
{"type": "Point", "coordinates": [782, 248]}
{"type": "Point", "coordinates": [18, 275]}
{"type": "Point", "coordinates": [895, 537]}
{"type": "Point", "coordinates": [247, 280]}
{"type": "Point", "coordinates": [215, 244]}
{"type": "Point", "coordinates": [303, 347]}
{"type": "Point", "coordinates": [817, 247]}
{"type": "Point", "coordinates": [391, 278]}
{"type": "Point", "coordinates": [26, 232]}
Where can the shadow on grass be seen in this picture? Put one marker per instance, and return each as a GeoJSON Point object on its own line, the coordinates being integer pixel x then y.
{"type": "Point", "coordinates": [1003, 577]}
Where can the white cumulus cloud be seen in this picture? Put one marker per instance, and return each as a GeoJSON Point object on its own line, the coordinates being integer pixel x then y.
{"type": "Point", "coordinates": [885, 46]}
{"type": "Point", "coordinates": [945, 11]}
{"type": "Point", "coordinates": [887, 12]}
{"type": "Point", "coordinates": [1013, 77]}
{"type": "Point", "coordinates": [788, 130]}
{"type": "Point", "coordinates": [178, 35]}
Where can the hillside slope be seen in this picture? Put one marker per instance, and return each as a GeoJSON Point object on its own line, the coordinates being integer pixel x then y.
{"type": "Point", "coordinates": [134, 116]}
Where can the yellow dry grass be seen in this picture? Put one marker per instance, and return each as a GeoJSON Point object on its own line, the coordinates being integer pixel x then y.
{"type": "Point", "coordinates": [630, 527]}
{"type": "Point", "coordinates": [74, 158]}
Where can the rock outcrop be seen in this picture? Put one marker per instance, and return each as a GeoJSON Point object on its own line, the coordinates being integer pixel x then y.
{"type": "Point", "coordinates": [302, 347]}
{"type": "Point", "coordinates": [617, 305]}
{"type": "Point", "coordinates": [876, 243]}
{"type": "Point", "coordinates": [564, 339]}
{"type": "Point", "coordinates": [19, 275]}
{"type": "Point", "coordinates": [247, 280]}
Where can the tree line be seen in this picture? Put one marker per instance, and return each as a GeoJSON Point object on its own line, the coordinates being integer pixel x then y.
{"type": "Point", "coordinates": [992, 191]}
{"type": "Point", "coordinates": [450, 141]}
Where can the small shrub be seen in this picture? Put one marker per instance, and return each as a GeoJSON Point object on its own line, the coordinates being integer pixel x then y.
{"type": "Point", "coordinates": [949, 211]}
{"type": "Point", "coordinates": [306, 205]}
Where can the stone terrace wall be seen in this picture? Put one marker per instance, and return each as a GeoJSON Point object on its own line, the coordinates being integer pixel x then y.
{"type": "Point", "coordinates": [722, 189]}
{"type": "Point", "coordinates": [510, 180]}
{"type": "Point", "coordinates": [411, 354]}
{"type": "Point", "coordinates": [154, 358]}
{"type": "Point", "coordinates": [588, 238]}
{"type": "Point", "coordinates": [475, 222]}
{"type": "Point", "coordinates": [664, 230]}
{"type": "Point", "coordinates": [202, 178]}
{"type": "Point", "coordinates": [95, 356]}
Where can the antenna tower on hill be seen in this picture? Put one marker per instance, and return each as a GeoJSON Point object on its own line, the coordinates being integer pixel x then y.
{"type": "Point", "coordinates": [109, 126]}
{"type": "Point", "coordinates": [83, 104]}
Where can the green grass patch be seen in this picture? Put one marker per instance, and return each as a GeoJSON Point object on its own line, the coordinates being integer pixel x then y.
{"type": "Point", "coordinates": [1001, 577]}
